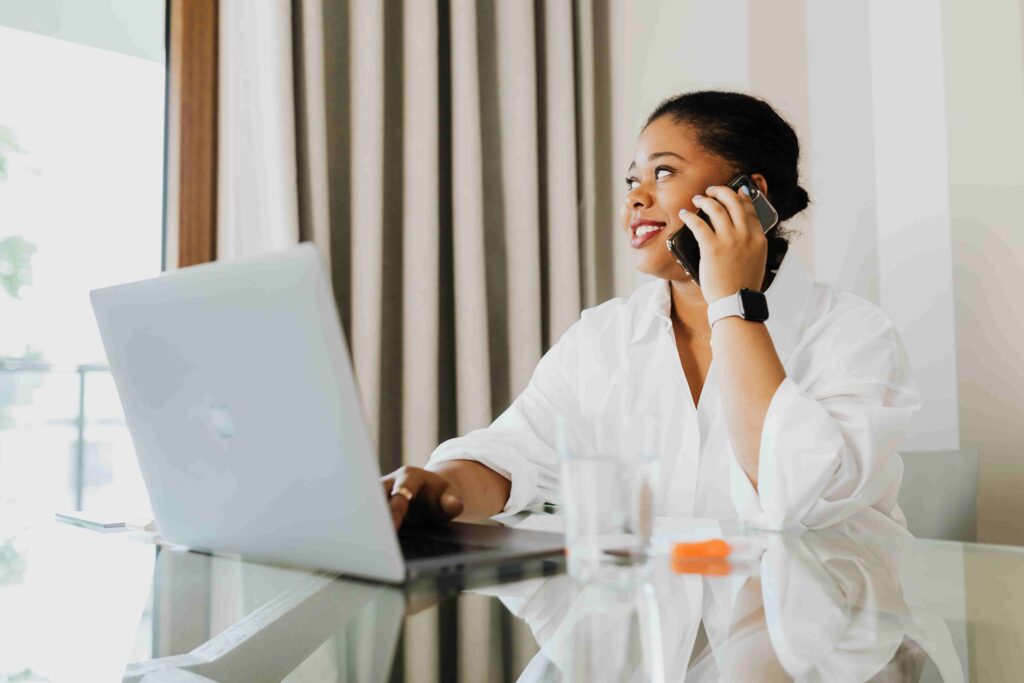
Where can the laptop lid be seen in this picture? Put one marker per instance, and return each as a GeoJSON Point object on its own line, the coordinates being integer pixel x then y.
{"type": "Point", "coordinates": [239, 395]}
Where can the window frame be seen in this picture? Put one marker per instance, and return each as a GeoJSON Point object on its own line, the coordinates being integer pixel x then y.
{"type": "Point", "coordinates": [190, 175]}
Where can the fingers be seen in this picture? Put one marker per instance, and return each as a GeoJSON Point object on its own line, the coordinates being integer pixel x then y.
{"type": "Point", "coordinates": [389, 485]}
{"type": "Point", "coordinates": [701, 230]}
{"type": "Point", "coordinates": [415, 492]}
{"type": "Point", "coordinates": [403, 490]}
{"type": "Point", "coordinates": [721, 221]}
{"type": "Point", "coordinates": [435, 501]}
{"type": "Point", "coordinates": [738, 207]}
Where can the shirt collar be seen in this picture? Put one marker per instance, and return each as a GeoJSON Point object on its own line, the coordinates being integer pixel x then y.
{"type": "Point", "coordinates": [654, 305]}
{"type": "Point", "coordinates": [787, 298]}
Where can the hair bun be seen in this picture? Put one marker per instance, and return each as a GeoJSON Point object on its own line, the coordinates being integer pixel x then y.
{"type": "Point", "coordinates": [797, 201]}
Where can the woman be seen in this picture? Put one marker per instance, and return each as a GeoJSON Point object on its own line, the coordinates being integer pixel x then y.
{"type": "Point", "coordinates": [789, 422]}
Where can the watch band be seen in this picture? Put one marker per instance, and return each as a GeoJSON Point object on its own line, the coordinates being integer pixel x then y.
{"type": "Point", "coordinates": [746, 304]}
{"type": "Point", "coordinates": [725, 307]}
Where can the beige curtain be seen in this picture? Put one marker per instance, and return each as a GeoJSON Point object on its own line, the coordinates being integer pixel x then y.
{"type": "Point", "coordinates": [447, 156]}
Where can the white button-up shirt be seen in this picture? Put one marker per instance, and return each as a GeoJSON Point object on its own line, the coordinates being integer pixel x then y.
{"type": "Point", "coordinates": [829, 440]}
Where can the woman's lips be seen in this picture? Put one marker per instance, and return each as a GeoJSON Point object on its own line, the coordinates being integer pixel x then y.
{"type": "Point", "coordinates": [639, 240]}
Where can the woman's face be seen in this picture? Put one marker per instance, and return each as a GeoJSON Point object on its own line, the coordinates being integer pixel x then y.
{"type": "Point", "coordinates": [668, 169]}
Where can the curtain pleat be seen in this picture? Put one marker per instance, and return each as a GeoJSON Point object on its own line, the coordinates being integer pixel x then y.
{"type": "Point", "coordinates": [586, 146]}
{"type": "Point", "coordinates": [366, 39]}
{"type": "Point", "coordinates": [337, 93]}
{"type": "Point", "coordinates": [392, 338]}
{"type": "Point", "coordinates": [472, 345]}
{"type": "Point", "coordinates": [518, 94]}
{"type": "Point", "coordinates": [421, 239]}
{"type": "Point", "coordinates": [560, 216]}
{"type": "Point", "coordinates": [257, 207]}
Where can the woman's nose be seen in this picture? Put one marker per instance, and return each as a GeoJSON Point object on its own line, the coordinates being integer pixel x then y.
{"type": "Point", "coordinates": [637, 198]}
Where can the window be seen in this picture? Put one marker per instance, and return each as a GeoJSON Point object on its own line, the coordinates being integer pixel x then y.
{"type": "Point", "coordinates": [81, 202]}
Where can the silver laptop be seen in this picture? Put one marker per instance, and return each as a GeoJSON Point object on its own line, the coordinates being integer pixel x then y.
{"type": "Point", "coordinates": [238, 391]}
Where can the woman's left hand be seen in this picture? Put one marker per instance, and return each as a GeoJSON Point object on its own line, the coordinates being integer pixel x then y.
{"type": "Point", "coordinates": [734, 254]}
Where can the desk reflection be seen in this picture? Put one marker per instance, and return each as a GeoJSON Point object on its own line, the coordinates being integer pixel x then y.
{"type": "Point", "coordinates": [818, 606]}
{"type": "Point", "coordinates": [240, 621]}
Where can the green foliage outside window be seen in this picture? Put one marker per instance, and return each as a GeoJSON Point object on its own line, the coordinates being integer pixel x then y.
{"type": "Point", "coordinates": [8, 145]}
{"type": "Point", "coordinates": [15, 252]}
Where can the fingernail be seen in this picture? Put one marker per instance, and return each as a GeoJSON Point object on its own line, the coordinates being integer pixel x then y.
{"type": "Point", "coordinates": [683, 212]}
{"type": "Point", "coordinates": [698, 197]}
{"type": "Point", "coordinates": [745, 190]}
{"type": "Point", "coordinates": [710, 187]}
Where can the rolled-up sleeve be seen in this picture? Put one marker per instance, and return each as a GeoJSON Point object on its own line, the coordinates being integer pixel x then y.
{"type": "Point", "coordinates": [829, 440]}
{"type": "Point", "coordinates": [520, 444]}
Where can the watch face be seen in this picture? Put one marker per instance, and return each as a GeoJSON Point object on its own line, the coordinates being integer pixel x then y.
{"type": "Point", "coordinates": [755, 305]}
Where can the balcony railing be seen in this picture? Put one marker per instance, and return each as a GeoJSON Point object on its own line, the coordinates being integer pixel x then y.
{"type": "Point", "coordinates": [64, 425]}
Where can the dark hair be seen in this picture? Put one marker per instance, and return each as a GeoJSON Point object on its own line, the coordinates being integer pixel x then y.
{"type": "Point", "coordinates": [748, 133]}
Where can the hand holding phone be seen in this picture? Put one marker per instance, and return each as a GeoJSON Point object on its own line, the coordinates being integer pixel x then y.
{"type": "Point", "coordinates": [684, 247]}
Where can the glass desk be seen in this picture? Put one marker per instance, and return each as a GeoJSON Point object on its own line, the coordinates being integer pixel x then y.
{"type": "Point", "coordinates": [849, 603]}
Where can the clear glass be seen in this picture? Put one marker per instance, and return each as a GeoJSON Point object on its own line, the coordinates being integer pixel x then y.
{"type": "Point", "coordinates": [617, 633]}
{"type": "Point", "coordinates": [608, 473]}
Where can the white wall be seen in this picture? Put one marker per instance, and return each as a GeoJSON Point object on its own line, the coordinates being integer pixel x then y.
{"type": "Point", "coordinates": [912, 204]}
{"type": "Point", "coordinates": [908, 116]}
{"type": "Point", "coordinates": [984, 75]}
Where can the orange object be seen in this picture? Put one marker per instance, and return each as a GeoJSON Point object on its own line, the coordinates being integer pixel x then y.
{"type": "Point", "coordinates": [713, 567]}
{"type": "Point", "coordinates": [716, 548]}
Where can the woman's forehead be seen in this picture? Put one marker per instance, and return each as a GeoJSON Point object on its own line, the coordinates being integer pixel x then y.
{"type": "Point", "coordinates": [665, 135]}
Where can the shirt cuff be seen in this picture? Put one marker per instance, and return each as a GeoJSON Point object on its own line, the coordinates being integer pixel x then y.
{"type": "Point", "coordinates": [509, 465]}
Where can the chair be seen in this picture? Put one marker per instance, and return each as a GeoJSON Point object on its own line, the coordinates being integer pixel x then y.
{"type": "Point", "coordinates": [939, 494]}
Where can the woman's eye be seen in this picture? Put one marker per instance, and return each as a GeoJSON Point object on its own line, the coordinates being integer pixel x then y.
{"type": "Point", "coordinates": [631, 182]}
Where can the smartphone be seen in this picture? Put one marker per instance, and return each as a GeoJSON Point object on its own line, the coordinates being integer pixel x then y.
{"type": "Point", "coordinates": [683, 244]}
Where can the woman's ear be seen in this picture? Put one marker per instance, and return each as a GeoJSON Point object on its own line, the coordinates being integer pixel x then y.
{"type": "Point", "coordinates": [761, 183]}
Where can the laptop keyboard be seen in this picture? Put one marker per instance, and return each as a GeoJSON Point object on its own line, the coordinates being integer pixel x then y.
{"type": "Point", "coordinates": [417, 547]}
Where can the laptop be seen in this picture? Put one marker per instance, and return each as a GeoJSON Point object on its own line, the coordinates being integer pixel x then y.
{"type": "Point", "coordinates": [238, 392]}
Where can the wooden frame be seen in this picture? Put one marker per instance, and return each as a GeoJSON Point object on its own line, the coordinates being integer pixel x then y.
{"type": "Point", "coordinates": [190, 209]}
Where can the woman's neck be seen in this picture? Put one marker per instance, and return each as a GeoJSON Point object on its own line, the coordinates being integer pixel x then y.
{"type": "Point", "coordinates": [688, 305]}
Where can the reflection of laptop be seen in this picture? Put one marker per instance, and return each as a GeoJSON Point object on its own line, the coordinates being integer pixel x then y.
{"type": "Point", "coordinates": [281, 634]}
{"type": "Point", "coordinates": [239, 395]}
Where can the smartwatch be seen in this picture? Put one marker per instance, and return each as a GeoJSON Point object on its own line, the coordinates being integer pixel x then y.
{"type": "Point", "coordinates": [746, 304]}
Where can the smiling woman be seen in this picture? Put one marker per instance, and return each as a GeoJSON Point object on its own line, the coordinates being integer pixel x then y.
{"type": "Point", "coordinates": [693, 145]}
{"type": "Point", "coordinates": [791, 421]}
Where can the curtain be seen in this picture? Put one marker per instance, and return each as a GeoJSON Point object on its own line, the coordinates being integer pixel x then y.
{"type": "Point", "coordinates": [451, 158]}
{"type": "Point", "coordinates": [447, 155]}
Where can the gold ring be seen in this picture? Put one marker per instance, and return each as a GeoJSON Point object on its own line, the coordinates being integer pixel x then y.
{"type": "Point", "coordinates": [404, 492]}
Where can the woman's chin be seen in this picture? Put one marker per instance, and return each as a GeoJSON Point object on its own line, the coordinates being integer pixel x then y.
{"type": "Point", "coordinates": [664, 269]}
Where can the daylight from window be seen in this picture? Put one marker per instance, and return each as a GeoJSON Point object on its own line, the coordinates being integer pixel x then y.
{"type": "Point", "coordinates": [81, 164]}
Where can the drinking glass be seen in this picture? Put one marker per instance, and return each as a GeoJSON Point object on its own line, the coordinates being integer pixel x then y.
{"type": "Point", "coordinates": [608, 472]}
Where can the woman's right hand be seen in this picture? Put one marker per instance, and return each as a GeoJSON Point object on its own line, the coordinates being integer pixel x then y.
{"type": "Point", "coordinates": [421, 495]}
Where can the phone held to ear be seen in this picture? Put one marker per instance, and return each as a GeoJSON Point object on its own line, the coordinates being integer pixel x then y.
{"type": "Point", "coordinates": [683, 244]}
